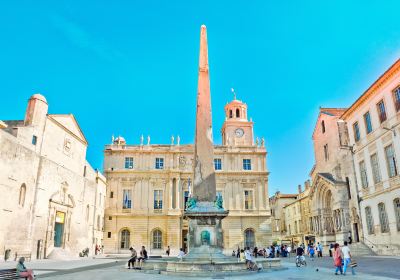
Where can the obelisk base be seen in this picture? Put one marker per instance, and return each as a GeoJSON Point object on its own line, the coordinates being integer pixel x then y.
{"type": "Point", "coordinates": [205, 238]}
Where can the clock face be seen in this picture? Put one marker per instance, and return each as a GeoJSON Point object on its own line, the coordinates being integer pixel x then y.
{"type": "Point", "coordinates": [239, 132]}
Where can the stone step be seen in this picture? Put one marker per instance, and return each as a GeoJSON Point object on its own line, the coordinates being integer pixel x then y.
{"type": "Point", "coordinates": [360, 249]}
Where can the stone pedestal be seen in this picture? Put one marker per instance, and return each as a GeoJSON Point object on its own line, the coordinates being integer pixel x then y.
{"type": "Point", "coordinates": [205, 238]}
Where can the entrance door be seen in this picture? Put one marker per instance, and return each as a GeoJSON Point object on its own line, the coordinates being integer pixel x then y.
{"type": "Point", "coordinates": [58, 234]}
{"type": "Point", "coordinates": [356, 236]}
{"type": "Point", "coordinates": [59, 229]}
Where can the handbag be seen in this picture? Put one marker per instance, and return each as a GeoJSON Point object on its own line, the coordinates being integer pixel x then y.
{"type": "Point", "coordinates": [338, 261]}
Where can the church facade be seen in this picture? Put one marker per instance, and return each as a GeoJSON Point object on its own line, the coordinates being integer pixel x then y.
{"type": "Point", "coordinates": [149, 184]}
{"type": "Point", "coordinates": [52, 200]}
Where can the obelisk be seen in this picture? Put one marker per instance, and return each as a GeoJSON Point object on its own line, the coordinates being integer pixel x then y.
{"type": "Point", "coordinates": [203, 210]}
{"type": "Point", "coordinates": [204, 187]}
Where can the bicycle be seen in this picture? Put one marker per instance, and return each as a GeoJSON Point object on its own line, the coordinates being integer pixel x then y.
{"type": "Point", "coordinates": [301, 260]}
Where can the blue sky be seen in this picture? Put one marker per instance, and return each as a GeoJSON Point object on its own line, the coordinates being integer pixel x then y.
{"type": "Point", "coordinates": [130, 67]}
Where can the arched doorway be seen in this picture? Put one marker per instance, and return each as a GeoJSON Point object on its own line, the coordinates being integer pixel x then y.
{"type": "Point", "coordinates": [249, 239]}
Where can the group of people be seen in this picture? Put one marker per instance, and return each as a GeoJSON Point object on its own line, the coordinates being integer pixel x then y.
{"type": "Point", "coordinates": [267, 252]}
{"type": "Point", "coordinates": [342, 259]}
{"type": "Point", "coordinates": [135, 261]}
{"type": "Point", "coordinates": [246, 255]}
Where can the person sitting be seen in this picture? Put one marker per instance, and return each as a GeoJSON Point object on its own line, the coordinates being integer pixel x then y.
{"type": "Point", "coordinates": [132, 260]}
{"type": "Point", "coordinates": [181, 254]}
{"type": "Point", "coordinates": [143, 257]}
{"type": "Point", "coordinates": [22, 272]}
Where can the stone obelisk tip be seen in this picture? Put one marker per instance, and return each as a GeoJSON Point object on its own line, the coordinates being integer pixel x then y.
{"type": "Point", "coordinates": [203, 59]}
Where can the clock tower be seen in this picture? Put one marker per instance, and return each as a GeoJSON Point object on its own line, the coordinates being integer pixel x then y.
{"type": "Point", "coordinates": [237, 130]}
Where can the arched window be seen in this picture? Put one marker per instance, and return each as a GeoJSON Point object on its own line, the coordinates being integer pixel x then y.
{"type": "Point", "coordinates": [237, 113]}
{"type": "Point", "coordinates": [383, 219]}
{"type": "Point", "coordinates": [125, 239]}
{"type": "Point", "coordinates": [249, 240]}
{"type": "Point", "coordinates": [323, 126]}
{"type": "Point", "coordinates": [396, 203]}
{"type": "Point", "coordinates": [370, 220]}
{"type": "Point", "coordinates": [230, 114]}
{"type": "Point", "coordinates": [157, 239]}
{"type": "Point", "coordinates": [22, 193]}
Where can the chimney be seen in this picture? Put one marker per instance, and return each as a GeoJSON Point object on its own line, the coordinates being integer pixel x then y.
{"type": "Point", "coordinates": [307, 184]}
{"type": "Point", "coordinates": [299, 188]}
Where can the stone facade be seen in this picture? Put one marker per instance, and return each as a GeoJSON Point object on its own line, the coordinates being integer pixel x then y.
{"type": "Point", "coordinates": [373, 124]}
{"type": "Point", "coordinates": [355, 190]}
{"type": "Point", "coordinates": [52, 198]}
{"type": "Point", "coordinates": [278, 220]}
{"type": "Point", "coordinates": [326, 211]}
{"type": "Point", "coordinates": [148, 186]}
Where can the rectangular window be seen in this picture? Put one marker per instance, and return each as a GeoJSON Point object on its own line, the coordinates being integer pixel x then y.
{"type": "Point", "coordinates": [248, 200]}
{"type": "Point", "coordinates": [381, 111]}
{"type": "Point", "coordinates": [109, 234]}
{"type": "Point", "coordinates": [368, 124]}
{"type": "Point", "coordinates": [247, 164]}
{"type": "Point", "coordinates": [326, 152]}
{"type": "Point", "coordinates": [158, 196]}
{"type": "Point", "coordinates": [111, 194]}
{"type": "Point", "coordinates": [391, 161]}
{"type": "Point", "coordinates": [363, 174]}
{"type": "Point", "coordinates": [110, 218]}
{"type": "Point", "coordinates": [159, 163]}
{"type": "Point", "coordinates": [127, 202]}
{"type": "Point", "coordinates": [34, 140]}
{"type": "Point", "coordinates": [375, 168]}
{"type": "Point", "coordinates": [128, 162]}
{"type": "Point", "coordinates": [356, 130]}
{"type": "Point", "coordinates": [396, 97]}
{"type": "Point", "coordinates": [217, 164]}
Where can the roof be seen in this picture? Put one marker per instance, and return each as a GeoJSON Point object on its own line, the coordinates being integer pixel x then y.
{"type": "Point", "coordinates": [333, 112]}
{"type": "Point", "coordinates": [69, 123]}
{"type": "Point", "coordinates": [393, 69]}
{"type": "Point", "coordinates": [39, 97]}
{"type": "Point", "coordinates": [329, 177]}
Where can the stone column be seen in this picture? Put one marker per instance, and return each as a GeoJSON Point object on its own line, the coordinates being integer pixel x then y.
{"type": "Point", "coordinates": [178, 193]}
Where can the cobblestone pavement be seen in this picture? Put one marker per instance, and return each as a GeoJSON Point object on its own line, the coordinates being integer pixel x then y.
{"type": "Point", "coordinates": [373, 268]}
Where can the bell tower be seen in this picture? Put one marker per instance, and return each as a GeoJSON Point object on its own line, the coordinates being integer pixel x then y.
{"type": "Point", "coordinates": [237, 130]}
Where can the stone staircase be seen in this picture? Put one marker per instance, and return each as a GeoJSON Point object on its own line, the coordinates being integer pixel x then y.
{"type": "Point", "coordinates": [360, 249]}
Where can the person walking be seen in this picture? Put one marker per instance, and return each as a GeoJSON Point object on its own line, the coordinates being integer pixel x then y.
{"type": "Point", "coordinates": [289, 249]}
{"type": "Point", "coordinates": [319, 250]}
{"type": "Point", "coordinates": [311, 252]}
{"type": "Point", "coordinates": [347, 258]}
{"type": "Point", "coordinates": [238, 252]}
{"type": "Point", "coordinates": [330, 250]}
{"type": "Point", "coordinates": [22, 271]}
{"type": "Point", "coordinates": [132, 260]}
{"type": "Point", "coordinates": [337, 258]}
{"type": "Point", "coordinates": [168, 251]}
